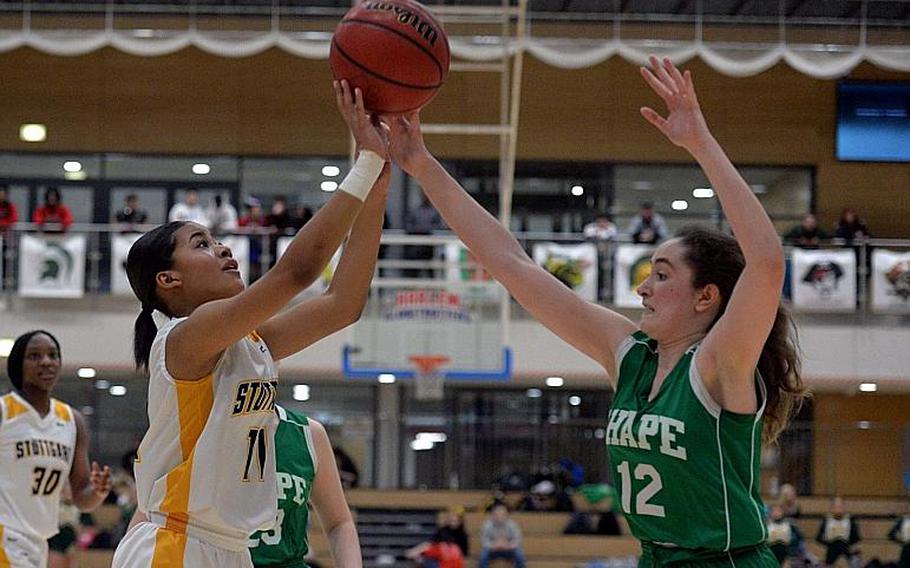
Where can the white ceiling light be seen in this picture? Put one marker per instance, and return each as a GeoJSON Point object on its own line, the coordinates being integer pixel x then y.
{"type": "Point", "coordinates": [434, 437]}
{"type": "Point", "coordinates": [86, 373]}
{"type": "Point", "coordinates": [386, 378]}
{"type": "Point", "coordinates": [102, 384]}
{"type": "Point", "coordinates": [33, 132]}
{"type": "Point", "coordinates": [6, 345]}
{"type": "Point", "coordinates": [642, 185]}
{"type": "Point", "coordinates": [534, 393]}
{"type": "Point", "coordinates": [330, 171]}
{"type": "Point", "coordinates": [118, 390]}
{"type": "Point", "coordinates": [201, 169]}
{"type": "Point", "coordinates": [421, 444]}
{"type": "Point", "coordinates": [301, 392]}
{"type": "Point", "coordinates": [555, 382]}
{"type": "Point", "coordinates": [578, 190]}
{"type": "Point", "coordinates": [868, 387]}
{"type": "Point", "coordinates": [75, 176]}
{"type": "Point", "coordinates": [72, 166]}
{"type": "Point", "coordinates": [87, 410]}
{"type": "Point", "coordinates": [703, 193]}
{"type": "Point", "coordinates": [759, 188]}
{"type": "Point", "coordinates": [679, 205]}
{"type": "Point", "coordinates": [144, 32]}
{"type": "Point", "coordinates": [863, 425]}
{"type": "Point", "coordinates": [575, 400]}
{"type": "Point", "coordinates": [328, 186]}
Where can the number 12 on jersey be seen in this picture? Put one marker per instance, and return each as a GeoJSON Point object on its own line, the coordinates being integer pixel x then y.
{"type": "Point", "coordinates": [642, 507]}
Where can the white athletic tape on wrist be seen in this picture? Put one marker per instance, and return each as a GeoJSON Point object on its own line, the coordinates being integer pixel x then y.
{"type": "Point", "coordinates": [363, 175]}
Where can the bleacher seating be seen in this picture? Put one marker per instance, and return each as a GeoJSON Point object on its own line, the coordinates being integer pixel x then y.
{"type": "Point", "coordinates": [390, 521]}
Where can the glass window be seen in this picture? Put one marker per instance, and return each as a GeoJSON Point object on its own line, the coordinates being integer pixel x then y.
{"type": "Point", "coordinates": [50, 166]}
{"type": "Point", "coordinates": [300, 180]}
{"type": "Point", "coordinates": [188, 169]}
{"type": "Point", "coordinates": [18, 194]}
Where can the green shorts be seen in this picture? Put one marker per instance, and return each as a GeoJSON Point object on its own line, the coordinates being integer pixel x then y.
{"type": "Point", "coordinates": [63, 541]}
{"type": "Point", "coordinates": [653, 556]}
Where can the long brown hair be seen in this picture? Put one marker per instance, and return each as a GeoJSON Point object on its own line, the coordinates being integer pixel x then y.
{"type": "Point", "coordinates": [716, 259]}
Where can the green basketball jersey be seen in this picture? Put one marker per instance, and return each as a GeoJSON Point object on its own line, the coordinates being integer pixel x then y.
{"type": "Point", "coordinates": [687, 471]}
{"type": "Point", "coordinates": [286, 544]}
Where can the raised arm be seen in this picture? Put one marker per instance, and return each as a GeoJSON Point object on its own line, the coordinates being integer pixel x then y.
{"type": "Point", "coordinates": [192, 348]}
{"type": "Point", "coordinates": [732, 348]}
{"type": "Point", "coordinates": [343, 302]}
{"type": "Point", "coordinates": [592, 329]}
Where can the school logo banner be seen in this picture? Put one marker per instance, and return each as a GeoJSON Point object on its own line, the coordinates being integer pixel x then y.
{"type": "Point", "coordinates": [120, 249]}
{"type": "Point", "coordinates": [573, 265]}
{"type": "Point", "coordinates": [51, 266]}
{"type": "Point", "coordinates": [890, 281]}
{"type": "Point", "coordinates": [632, 265]}
{"type": "Point", "coordinates": [823, 280]}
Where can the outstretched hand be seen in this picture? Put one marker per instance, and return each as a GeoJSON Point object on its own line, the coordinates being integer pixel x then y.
{"type": "Point", "coordinates": [367, 132]}
{"type": "Point", "coordinates": [685, 125]}
{"type": "Point", "coordinates": [406, 147]}
{"type": "Point", "coordinates": [100, 480]}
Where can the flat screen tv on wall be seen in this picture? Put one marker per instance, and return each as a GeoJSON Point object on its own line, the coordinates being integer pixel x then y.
{"type": "Point", "coordinates": [873, 121]}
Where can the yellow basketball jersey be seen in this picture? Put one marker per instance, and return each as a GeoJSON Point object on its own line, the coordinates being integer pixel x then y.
{"type": "Point", "coordinates": [206, 466]}
{"type": "Point", "coordinates": [37, 454]}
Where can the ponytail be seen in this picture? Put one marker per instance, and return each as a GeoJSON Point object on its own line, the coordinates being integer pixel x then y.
{"type": "Point", "coordinates": [148, 256]}
{"type": "Point", "coordinates": [144, 332]}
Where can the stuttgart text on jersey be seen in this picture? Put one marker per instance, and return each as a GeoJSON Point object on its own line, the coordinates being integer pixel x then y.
{"type": "Point", "coordinates": [255, 396]}
{"type": "Point", "coordinates": [42, 448]}
{"type": "Point", "coordinates": [651, 429]}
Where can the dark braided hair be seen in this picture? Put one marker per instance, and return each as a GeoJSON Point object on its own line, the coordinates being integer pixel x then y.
{"type": "Point", "coordinates": [17, 356]}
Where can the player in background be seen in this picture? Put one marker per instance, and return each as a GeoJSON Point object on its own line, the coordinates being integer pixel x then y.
{"type": "Point", "coordinates": [710, 368]}
{"type": "Point", "coordinates": [306, 476]}
{"type": "Point", "coordinates": [205, 472]}
{"type": "Point", "coordinates": [43, 444]}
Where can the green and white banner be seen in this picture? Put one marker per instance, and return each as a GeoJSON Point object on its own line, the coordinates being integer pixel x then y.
{"type": "Point", "coordinates": [573, 265]}
{"type": "Point", "coordinates": [632, 265]}
{"type": "Point", "coordinates": [120, 249]}
{"type": "Point", "coordinates": [52, 266]}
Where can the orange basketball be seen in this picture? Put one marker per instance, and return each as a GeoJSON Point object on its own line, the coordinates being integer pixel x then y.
{"type": "Point", "coordinates": [394, 51]}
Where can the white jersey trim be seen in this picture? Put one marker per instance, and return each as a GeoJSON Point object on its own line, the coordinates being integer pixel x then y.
{"type": "Point", "coordinates": [312, 448]}
{"type": "Point", "coordinates": [723, 481]}
{"type": "Point", "coordinates": [627, 344]}
{"type": "Point", "coordinates": [701, 392]}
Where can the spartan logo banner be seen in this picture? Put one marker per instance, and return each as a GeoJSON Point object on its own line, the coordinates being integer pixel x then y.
{"type": "Point", "coordinates": [120, 249]}
{"type": "Point", "coordinates": [891, 281]}
{"type": "Point", "coordinates": [823, 280]}
{"type": "Point", "coordinates": [573, 265]}
{"type": "Point", "coordinates": [632, 265]}
{"type": "Point", "coordinates": [52, 266]}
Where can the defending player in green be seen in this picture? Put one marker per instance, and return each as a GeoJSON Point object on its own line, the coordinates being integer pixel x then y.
{"type": "Point", "coordinates": [710, 372]}
{"type": "Point", "coordinates": [306, 475]}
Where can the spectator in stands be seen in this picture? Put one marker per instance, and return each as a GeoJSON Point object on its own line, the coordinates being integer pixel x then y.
{"type": "Point", "coordinates": [189, 210]}
{"type": "Point", "coordinates": [131, 213]}
{"type": "Point", "coordinates": [784, 538]}
{"type": "Point", "coordinates": [850, 227]}
{"type": "Point", "coordinates": [501, 538]}
{"type": "Point", "coordinates": [222, 216]}
{"type": "Point", "coordinates": [900, 533]}
{"type": "Point", "coordinates": [280, 216]}
{"type": "Point", "coordinates": [254, 219]}
{"type": "Point", "coordinates": [53, 216]}
{"type": "Point", "coordinates": [302, 215]}
{"type": "Point", "coordinates": [601, 229]}
{"type": "Point", "coordinates": [437, 553]}
{"type": "Point", "coordinates": [789, 501]}
{"type": "Point", "coordinates": [648, 227]}
{"type": "Point", "coordinates": [8, 213]}
{"type": "Point", "coordinates": [839, 533]}
{"type": "Point", "coordinates": [347, 470]}
{"type": "Point", "coordinates": [422, 220]}
{"type": "Point", "coordinates": [807, 234]}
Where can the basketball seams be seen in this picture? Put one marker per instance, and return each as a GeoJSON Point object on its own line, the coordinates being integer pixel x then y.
{"type": "Point", "coordinates": [406, 37]}
{"type": "Point", "coordinates": [369, 71]}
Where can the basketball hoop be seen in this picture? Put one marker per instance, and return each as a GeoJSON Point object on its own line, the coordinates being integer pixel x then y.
{"type": "Point", "coordinates": [429, 384]}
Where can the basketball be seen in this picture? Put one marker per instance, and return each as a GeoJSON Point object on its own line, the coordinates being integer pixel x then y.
{"type": "Point", "coordinates": [394, 51]}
